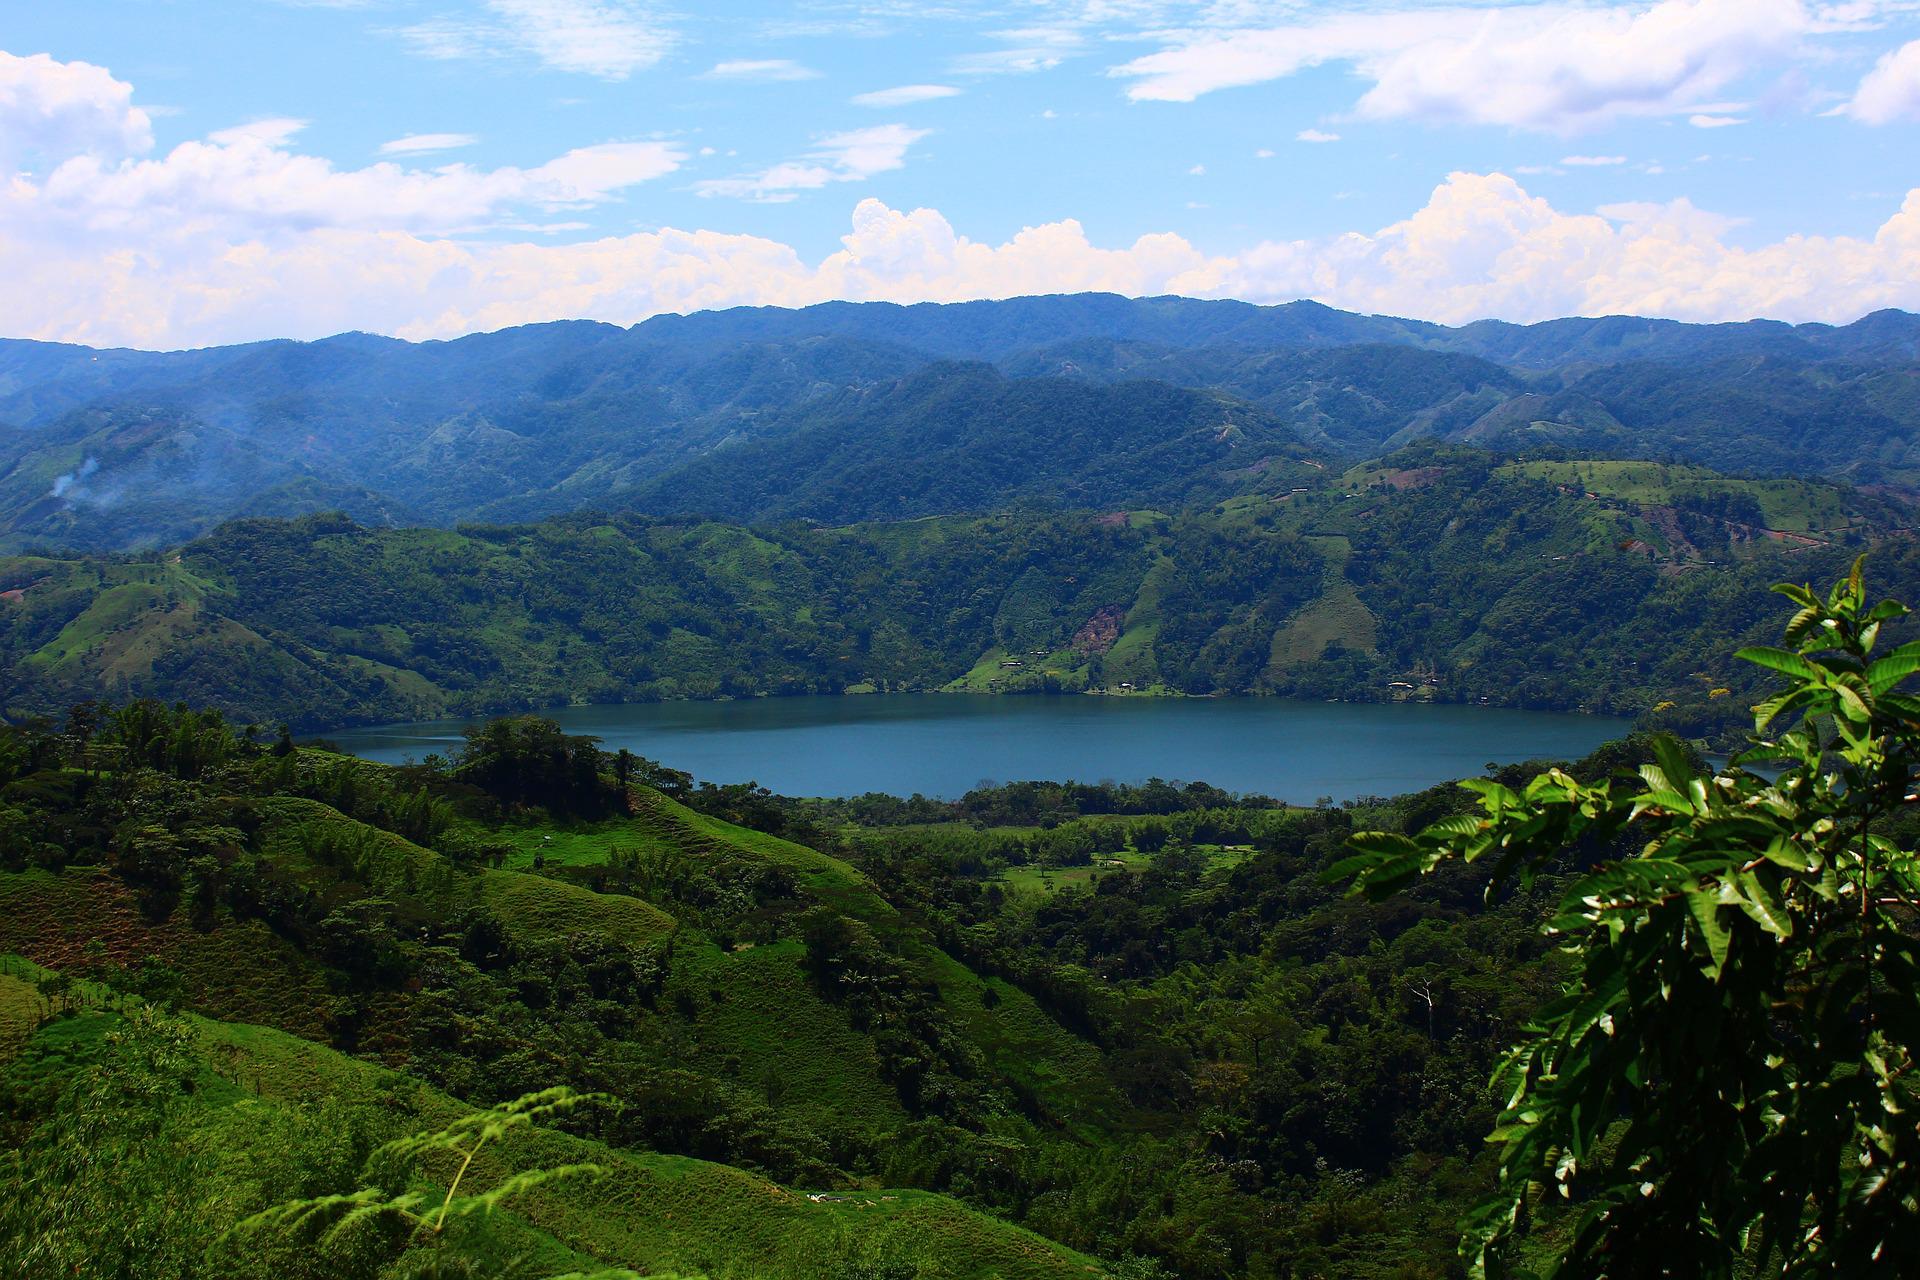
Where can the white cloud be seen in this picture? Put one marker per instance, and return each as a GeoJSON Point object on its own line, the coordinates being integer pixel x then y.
{"type": "Point", "coordinates": [247, 181]}
{"type": "Point", "coordinates": [52, 110]}
{"type": "Point", "coordinates": [1592, 162]}
{"type": "Point", "coordinates": [763, 69]}
{"type": "Point", "coordinates": [1481, 246]}
{"type": "Point", "coordinates": [1025, 50]}
{"type": "Point", "coordinates": [1891, 91]}
{"type": "Point", "coordinates": [238, 235]}
{"type": "Point", "coordinates": [1315, 135]}
{"type": "Point", "coordinates": [422, 143]}
{"type": "Point", "coordinates": [841, 157]}
{"type": "Point", "coordinates": [610, 39]}
{"type": "Point", "coordinates": [1557, 67]}
{"type": "Point", "coordinates": [1263, 153]}
{"type": "Point", "coordinates": [904, 95]}
{"type": "Point", "coordinates": [1704, 121]}
{"type": "Point", "coordinates": [1198, 171]}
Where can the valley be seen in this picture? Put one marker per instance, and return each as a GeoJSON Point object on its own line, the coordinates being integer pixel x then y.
{"type": "Point", "coordinates": [883, 793]}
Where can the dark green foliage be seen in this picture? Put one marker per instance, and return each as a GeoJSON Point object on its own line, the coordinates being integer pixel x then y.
{"type": "Point", "coordinates": [865, 418]}
{"type": "Point", "coordinates": [958, 438]}
{"type": "Point", "coordinates": [526, 762]}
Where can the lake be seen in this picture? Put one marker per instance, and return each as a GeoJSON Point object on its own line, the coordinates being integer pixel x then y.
{"type": "Point", "coordinates": [945, 744]}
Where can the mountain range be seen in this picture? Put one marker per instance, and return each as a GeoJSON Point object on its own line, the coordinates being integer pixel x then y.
{"type": "Point", "coordinates": [847, 412]}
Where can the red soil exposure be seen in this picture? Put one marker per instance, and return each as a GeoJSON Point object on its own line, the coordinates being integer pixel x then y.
{"type": "Point", "coordinates": [1100, 631]}
{"type": "Point", "coordinates": [1113, 519]}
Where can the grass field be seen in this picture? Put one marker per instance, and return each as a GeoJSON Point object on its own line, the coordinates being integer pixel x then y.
{"type": "Point", "coordinates": [1790, 506]}
{"type": "Point", "coordinates": [1338, 616]}
{"type": "Point", "coordinates": [1051, 880]}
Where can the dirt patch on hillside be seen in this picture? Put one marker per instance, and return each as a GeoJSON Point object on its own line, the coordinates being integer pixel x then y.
{"type": "Point", "coordinates": [1100, 631]}
{"type": "Point", "coordinates": [1411, 477]}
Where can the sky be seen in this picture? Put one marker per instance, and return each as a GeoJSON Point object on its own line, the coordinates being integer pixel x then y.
{"type": "Point", "coordinates": [180, 173]}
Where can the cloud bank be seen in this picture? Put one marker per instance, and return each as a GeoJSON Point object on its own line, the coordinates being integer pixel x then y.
{"type": "Point", "coordinates": [239, 236]}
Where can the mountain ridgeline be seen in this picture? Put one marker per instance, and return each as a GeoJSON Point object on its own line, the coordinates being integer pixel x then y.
{"type": "Point", "coordinates": [852, 412]}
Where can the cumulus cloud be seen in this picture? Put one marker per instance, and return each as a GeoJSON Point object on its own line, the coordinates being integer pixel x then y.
{"type": "Point", "coordinates": [1891, 91]}
{"type": "Point", "coordinates": [422, 143]}
{"type": "Point", "coordinates": [904, 95]}
{"type": "Point", "coordinates": [1480, 246]}
{"type": "Point", "coordinates": [248, 181]}
{"type": "Point", "coordinates": [609, 39]}
{"type": "Point", "coordinates": [1592, 162]}
{"type": "Point", "coordinates": [239, 235]}
{"type": "Point", "coordinates": [53, 110]}
{"type": "Point", "coordinates": [1316, 135]}
{"type": "Point", "coordinates": [1556, 67]}
{"type": "Point", "coordinates": [841, 157]}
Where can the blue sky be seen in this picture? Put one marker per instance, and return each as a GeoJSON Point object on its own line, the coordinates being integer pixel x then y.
{"type": "Point", "coordinates": [186, 171]}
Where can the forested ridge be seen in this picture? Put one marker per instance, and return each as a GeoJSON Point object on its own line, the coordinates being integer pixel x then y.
{"type": "Point", "coordinates": [875, 412]}
{"type": "Point", "coordinates": [1438, 573]}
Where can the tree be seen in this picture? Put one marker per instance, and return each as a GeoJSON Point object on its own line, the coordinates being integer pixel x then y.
{"type": "Point", "coordinates": [1726, 1085]}
{"type": "Point", "coordinates": [528, 761]}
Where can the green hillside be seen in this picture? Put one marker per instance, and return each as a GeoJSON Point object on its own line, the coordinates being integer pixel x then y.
{"type": "Point", "coordinates": [1426, 571]}
{"type": "Point", "coordinates": [1000, 1039]}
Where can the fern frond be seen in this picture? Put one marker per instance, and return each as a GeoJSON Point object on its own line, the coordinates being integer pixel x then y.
{"type": "Point", "coordinates": [526, 1180]}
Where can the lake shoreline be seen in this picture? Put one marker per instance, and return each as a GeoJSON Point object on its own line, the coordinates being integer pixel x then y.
{"type": "Point", "coordinates": [495, 711]}
{"type": "Point", "coordinates": [1294, 750]}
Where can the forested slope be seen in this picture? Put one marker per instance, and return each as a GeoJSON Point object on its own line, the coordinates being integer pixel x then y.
{"type": "Point", "coordinates": [859, 1040]}
{"type": "Point", "coordinates": [871, 411]}
{"type": "Point", "coordinates": [1437, 574]}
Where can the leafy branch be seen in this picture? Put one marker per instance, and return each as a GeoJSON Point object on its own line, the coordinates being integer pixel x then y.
{"type": "Point", "coordinates": [1726, 1085]}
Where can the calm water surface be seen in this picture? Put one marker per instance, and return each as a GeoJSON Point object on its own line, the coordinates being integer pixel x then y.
{"type": "Point", "coordinates": [944, 744]}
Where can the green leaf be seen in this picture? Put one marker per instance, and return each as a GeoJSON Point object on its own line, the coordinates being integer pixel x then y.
{"type": "Point", "coordinates": [1800, 595]}
{"type": "Point", "coordinates": [1783, 852]}
{"type": "Point", "coordinates": [1763, 905]}
{"type": "Point", "coordinates": [1893, 668]}
{"type": "Point", "coordinates": [1673, 761]}
{"type": "Point", "coordinates": [1704, 903]}
{"type": "Point", "coordinates": [1781, 660]}
{"type": "Point", "coordinates": [1496, 796]}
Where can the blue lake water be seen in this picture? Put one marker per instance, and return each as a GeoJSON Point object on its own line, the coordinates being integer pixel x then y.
{"type": "Point", "coordinates": [944, 744]}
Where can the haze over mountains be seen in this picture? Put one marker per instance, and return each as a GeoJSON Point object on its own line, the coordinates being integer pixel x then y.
{"type": "Point", "coordinates": [847, 412]}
